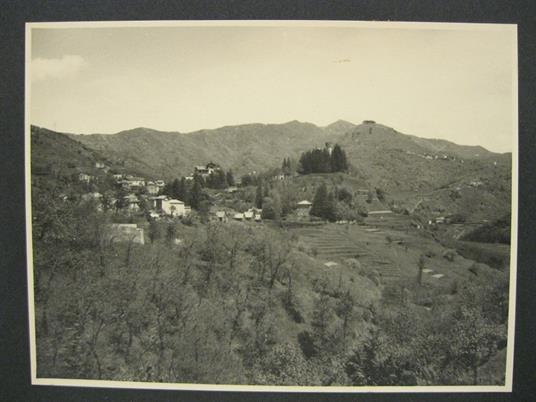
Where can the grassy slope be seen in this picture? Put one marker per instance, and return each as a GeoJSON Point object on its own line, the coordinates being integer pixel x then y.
{"type": "Point", "coordinates": [394, 162]}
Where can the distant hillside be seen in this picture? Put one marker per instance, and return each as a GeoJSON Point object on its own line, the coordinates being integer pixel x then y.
{"type": "Point", "coordinates": [57, 154]}
{"type": "Point", "coordinates": [244, 148]}
{"type": "Point", "coordinates": [431, 177]}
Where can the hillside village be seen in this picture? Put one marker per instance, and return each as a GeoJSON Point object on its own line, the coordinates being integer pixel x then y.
{"type": "Point", "coordinates": [138, 197]}
{"type": "Point", "coordinates": [349, 255]}
{"type": "Point", "coordinates": [144, 200]}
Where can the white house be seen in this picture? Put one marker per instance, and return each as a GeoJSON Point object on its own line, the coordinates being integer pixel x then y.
{"type": "Point", "coordinates": [173, 207]}
{"type": "Point", "coordinates": [303, 208]}
{"type": "Point", "coordinates": [238, 216]}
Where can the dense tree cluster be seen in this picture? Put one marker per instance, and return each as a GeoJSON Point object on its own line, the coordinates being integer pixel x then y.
{"type": "Point", "coordinates": [324, 161]}
{"type": "Point", "coordinates": [249, 179]}
{"type": "Point", "coordinates": [287, 167]}
{"type": "Point", "coordinates": [337, 204]}
{"type": "Point", "coordinates": [324, 205]}
{"type": "Point", "coordinates": [191, 192]}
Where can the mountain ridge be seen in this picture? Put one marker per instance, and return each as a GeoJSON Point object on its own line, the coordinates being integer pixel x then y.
{"type": "Point", "coordinates": [439, 176]}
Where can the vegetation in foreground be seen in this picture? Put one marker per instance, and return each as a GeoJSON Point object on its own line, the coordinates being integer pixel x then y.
{"type": "Point", "coordinates": [242, 304]}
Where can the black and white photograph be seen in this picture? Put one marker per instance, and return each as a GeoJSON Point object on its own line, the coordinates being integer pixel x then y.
{"type": "Point", "coordinates": [272, 205]}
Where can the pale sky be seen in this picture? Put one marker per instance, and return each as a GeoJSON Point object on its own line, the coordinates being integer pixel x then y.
{"type": "Point", "coordinates": [433, 82]}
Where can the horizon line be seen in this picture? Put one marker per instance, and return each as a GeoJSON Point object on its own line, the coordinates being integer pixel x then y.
{"type": "Point", "coordinates": [199, 131]}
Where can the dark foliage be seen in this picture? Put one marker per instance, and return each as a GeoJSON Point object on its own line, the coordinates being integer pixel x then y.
{"type": "Point", "coordinates": [323, 161]}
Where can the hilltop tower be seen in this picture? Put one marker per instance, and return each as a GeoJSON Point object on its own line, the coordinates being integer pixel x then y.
{"type": "Point", "coordinates": [369, 123]}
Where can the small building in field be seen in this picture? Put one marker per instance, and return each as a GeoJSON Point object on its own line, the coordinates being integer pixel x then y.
{"type": "Point", "coordinates": [160, 184]}
{"type": "Point", "coordinates": [362, 192]}
{"type": "Point", "coordinates": [232, 189]}
{"type": "Point", "coordinates": [303, 208]}
{"type": "Point", "coordinates": [440, 220]}
{"type": "Point", "coordinates": [258, 217]}
{"type": "Point", "coordinates": [173, 208]}
{"type": "Point", "coordinates": [248, 215]}
{"type": "Point", "coordinates": [221, 216]}
{"type": "Point", "coordinates": [238, 216]}
{"type": "Point", "coordinates": [125, 232]}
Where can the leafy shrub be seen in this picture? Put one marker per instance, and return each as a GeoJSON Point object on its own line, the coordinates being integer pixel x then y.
{"type": "Point", "coordinates": [307, 344]}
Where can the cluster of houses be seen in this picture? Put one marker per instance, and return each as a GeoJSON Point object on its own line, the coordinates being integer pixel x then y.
{"type": "Point", "coordinates": [158, 205]}
{"type": "Point", "coordinates": [87, 178]}
{"type": "Point", "coordinates": [432, 156]}
{"type": "Point", "coordinates": [134, 183]}
{"type": "Point", "coordinates": [163, 205]}
{"type": "Point", "coordinates": [252, 214]}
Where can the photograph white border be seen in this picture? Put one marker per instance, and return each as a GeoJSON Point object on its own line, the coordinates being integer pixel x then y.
{"type": "Point", "coordinates": [507, 387]}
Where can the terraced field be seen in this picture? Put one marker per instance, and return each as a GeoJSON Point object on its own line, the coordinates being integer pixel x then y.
{"type": "Point", "coordinates": [334, 243]}
{"type": "Point", "coordinates": [391, 221]}
{"type": "Point", "coordinates": [331, 243]}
